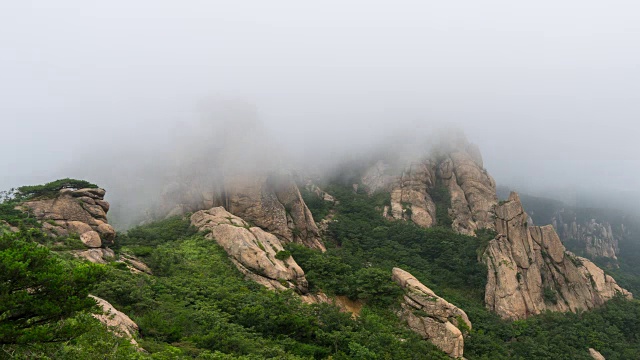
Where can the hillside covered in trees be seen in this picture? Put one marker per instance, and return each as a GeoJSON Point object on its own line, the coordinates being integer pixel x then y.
{"type": "Point", "coordinates": [194, 303]}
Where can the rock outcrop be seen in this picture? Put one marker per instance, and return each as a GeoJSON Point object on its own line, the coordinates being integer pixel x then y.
{"type": "Point", "coordinates": [595, 237]}
{"type": "Point", "coordinates": [82, 212]}
{"type": "Point", "coordinates": [431, 316]}
{"type": "Point", "coordinates": [595, 354]}
{"type": "Point", "coordinates": [272, 202]}
{"type": "Point", "coordinates": [96, 255]}
{"type": "Point", "coordinates": [453, 170]}
{"type": "Point", "coordinates": [255, 252]}
{"type": "Point", "coordinates": [410, 199]}
{"type": "Point", "coordinates": [471, 188]}
{"type": "Point", "coordinates": [117, 321]}
{"type": "Point", "coordinates": [590, 232]}
{"type": "Point", "coordinates": [530, 271]}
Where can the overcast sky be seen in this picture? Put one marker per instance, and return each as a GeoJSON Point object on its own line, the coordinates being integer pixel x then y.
{"type": "Point", "coordinates": [549, 90]}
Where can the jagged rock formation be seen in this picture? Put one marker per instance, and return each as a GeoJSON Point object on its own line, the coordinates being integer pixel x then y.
{"type": "Point", "coordinates": [529, 270]}
{"type": "Point", "coordinates": [272, 202]}
{"type": "Point", "coordinates": [82, 212]}
{"type": "Point", "coordinates": [117, 321]}
{"type": "Point", "coordinates": [255, 252]}
{"type": "Point", "coordinates": [590, 232]}
{"type": "Point", "coordinates": [431, 316]}
{"type": "Point", "coordinates": [410, 197]}
{"type": "Point", "coordinates": [454, 167]}
{"type": "Point", "coordinates": [472, 189]}
{"type": "Point", "coordinates": [595, 237]}
{"type": "Point", "coordinates": [595, 354]}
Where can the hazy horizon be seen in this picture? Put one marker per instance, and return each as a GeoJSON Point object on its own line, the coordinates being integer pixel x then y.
{"type": "Point", "coordinates": [550, 91]}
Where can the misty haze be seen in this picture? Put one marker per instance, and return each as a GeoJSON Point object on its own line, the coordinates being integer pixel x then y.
{"type": "Point", "coordinates": [444, 172]}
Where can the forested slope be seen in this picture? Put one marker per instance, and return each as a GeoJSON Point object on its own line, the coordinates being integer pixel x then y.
{"type": "Point", "coordinates": [198, 305]}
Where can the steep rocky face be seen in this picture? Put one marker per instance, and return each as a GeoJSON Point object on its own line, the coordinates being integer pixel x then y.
{"type": "Point", "coordinates": [472, 190]}
{"type": "Point", "coordinates": [529, 270]}
{"type": "Point", "coordinates": [595, 237]}
{"type": "Point", "coordinates": [82, 212]}
{"type": "Point", "coordinates": [591, 232]}
{"type": "Point", "coordinates": [117, 321]}
{"type": "Point", "coordinates": [255, 252]}
{"type": "Point", "coordinates": [454, 167]}
{"type": "Point", "coordinates": [431, 316]}
{"type": "Point", "coordinates": [272, 202]}
{"type": "Point", "coordinates": [410, 199]}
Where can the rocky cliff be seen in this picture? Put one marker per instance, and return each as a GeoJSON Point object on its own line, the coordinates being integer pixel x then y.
{"type": "Point", "coordinates": [271, 202]}
{"type": "Point", "coordinates": [594, 237]}
{"type": "Point", "coordinates": [530, 271]}
{"type": "Point", "coordinates": [431, 316]}
{"type": "Point", "coordinates": [82, 212]}
{"type": "Point", "coordinates": [591, 232]}
{"type": "Point", "coordinates": [452, 176]}
{"type": "Point", "coordinates": [255, 252]}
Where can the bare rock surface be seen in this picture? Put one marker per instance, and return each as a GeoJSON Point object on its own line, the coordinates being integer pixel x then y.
{"type": "Point", "coordinates": [410, 199]}
{"type": "Point", "coordinates": [472, 190]}
{"type": "Point", "coordinates": [274, 204]}
{"type": "Point", "coordinates": [453, 166]}
{"type": "Point", "coordinates": [595, 354]}
{"type": "Point", "coordinates": [530, 271]}
{"type": "Point", "coordinates": [96, 255]}
{"type": "Point", "coordinates": [270, 201]}
{"type": "Point", "coordinates": [117, 321]}
{"type": "Point", "coordinates": [82, 212]}
{"type": "Point", "coordinates": [597, 237]}
{"type": "Point", "coordinates": [431, 316]}
{"type": "Point", "coordinates": [251, 249]}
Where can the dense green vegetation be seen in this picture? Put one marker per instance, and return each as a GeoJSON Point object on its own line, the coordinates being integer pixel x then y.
{"type": "Point", "coordinates": [441, 197]}
{"type": "Point", "coordinates": [50, 189]}
{"type": "Point", "coordinates": [448, 264]}
{"type": "Point", "coordinates": [13, 217]}
{"type": "Point", "coordinates": [44, 308]}
{"type": "Point", "coordinates": [318, 206]}
{"type": "Point", "coordinates": [198, 305]}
